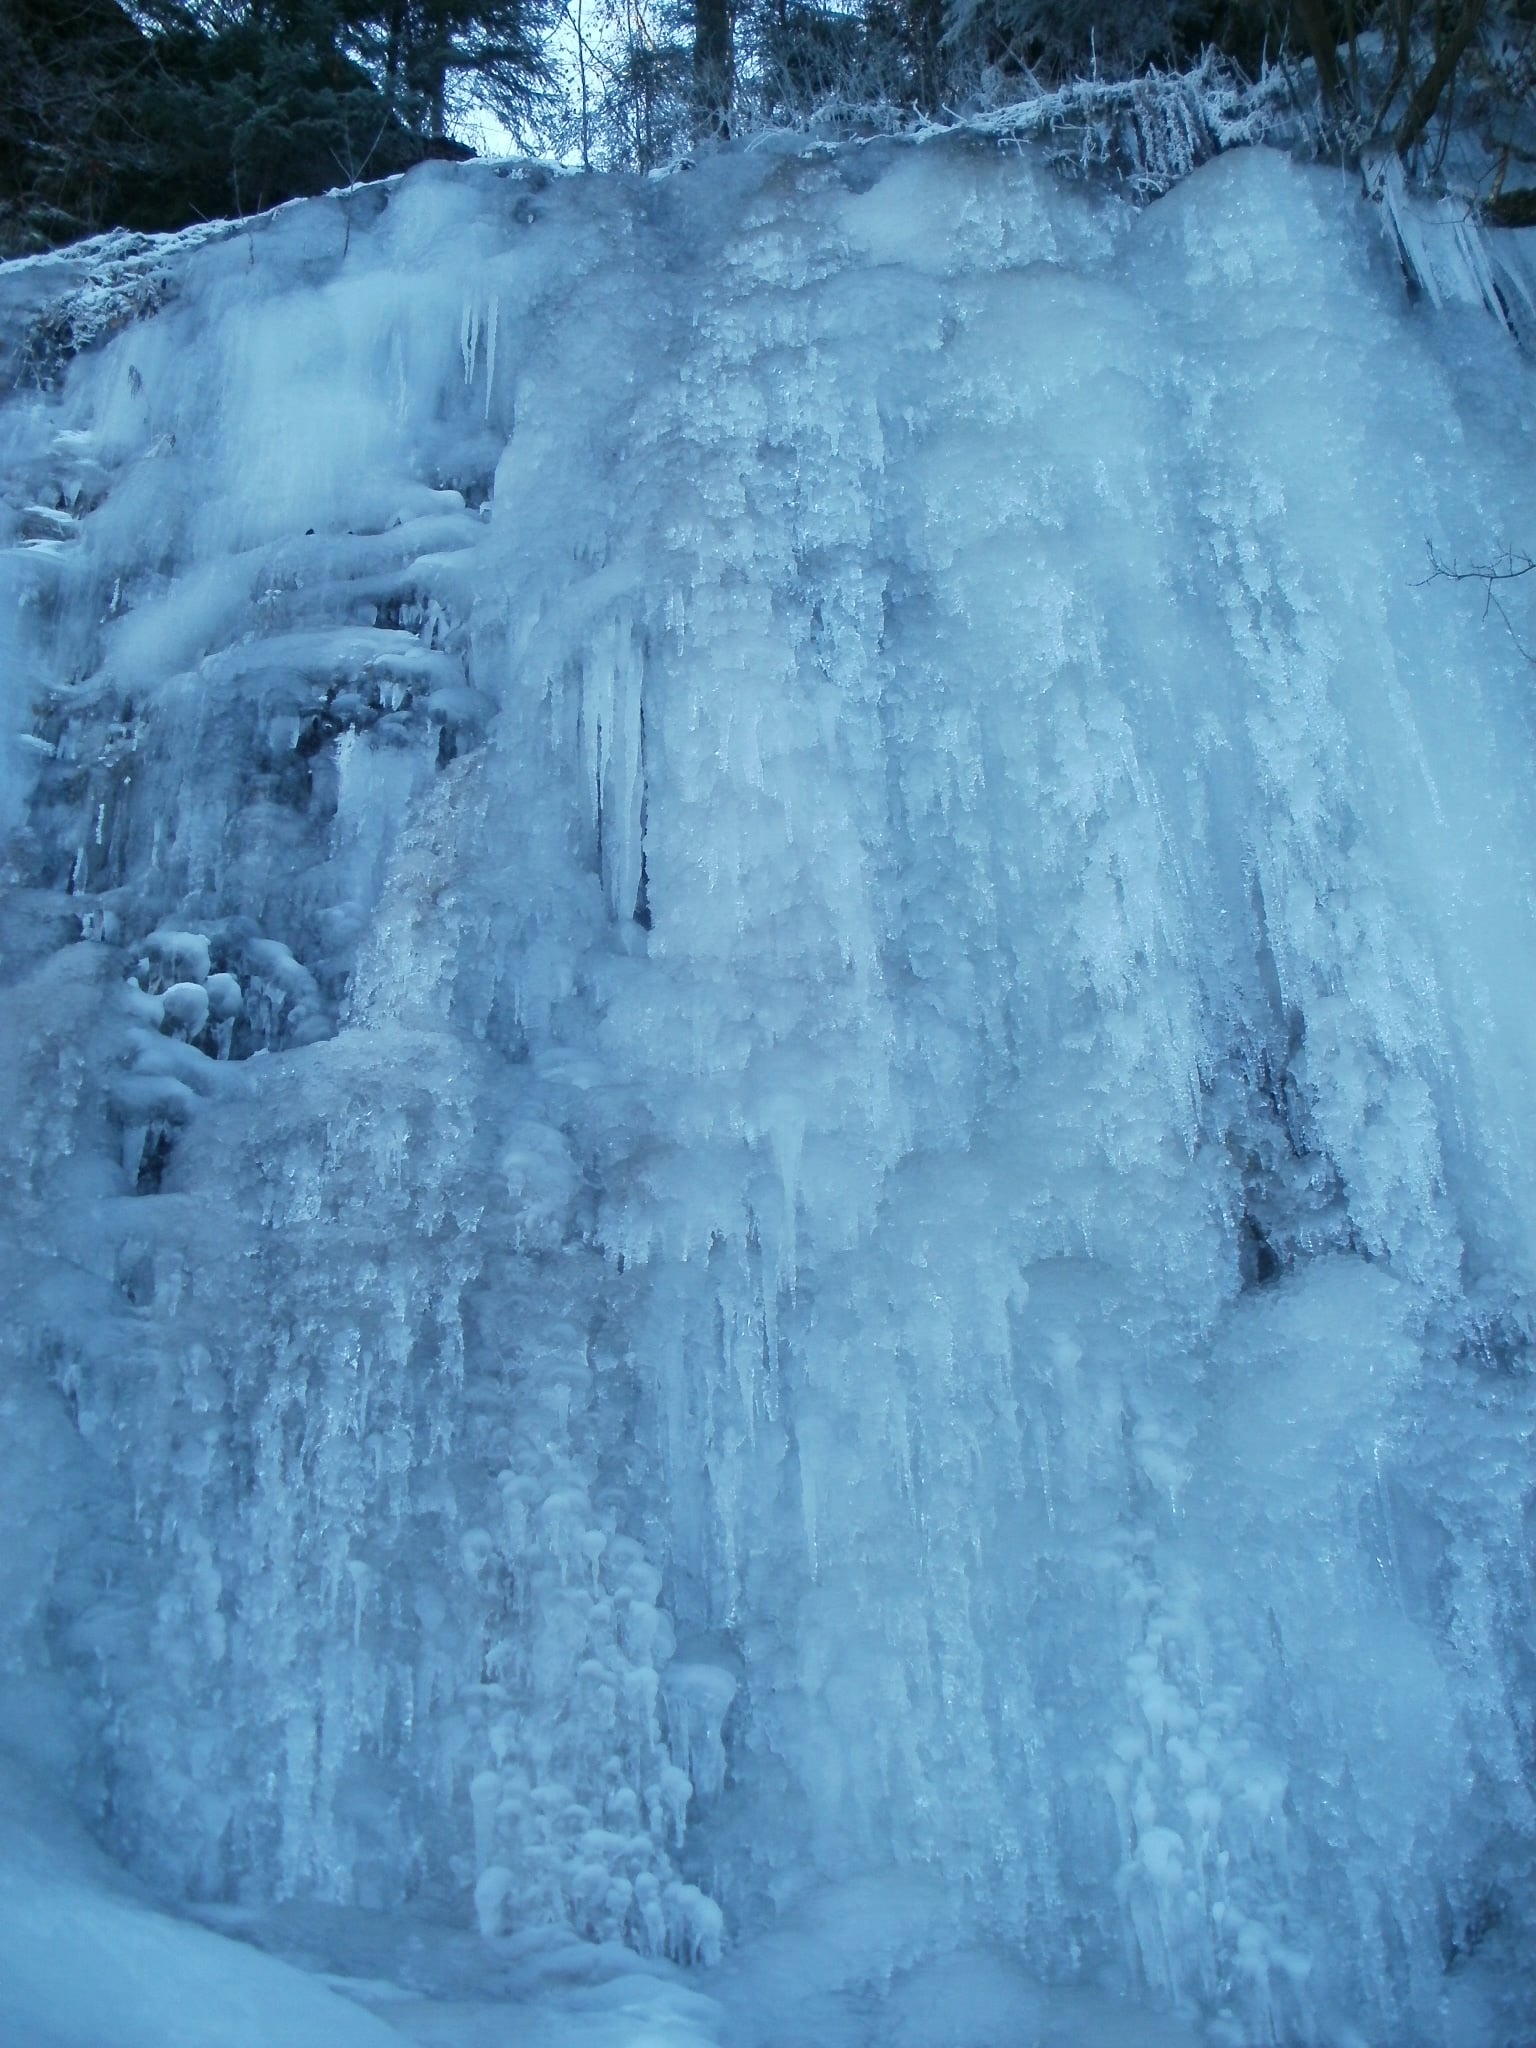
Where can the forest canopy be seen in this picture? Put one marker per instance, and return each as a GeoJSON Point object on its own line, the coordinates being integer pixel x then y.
{"type": "Point", "coordinates": [156, 115]}
{"type": "Point", "coordinates": [152, 114]}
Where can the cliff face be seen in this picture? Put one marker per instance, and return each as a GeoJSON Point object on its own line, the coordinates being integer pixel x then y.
{"type": "Point", "coordinates": [771, 981]}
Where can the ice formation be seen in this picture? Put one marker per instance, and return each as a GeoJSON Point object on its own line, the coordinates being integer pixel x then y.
{"type": "Point", "coordinates": [770, 999]}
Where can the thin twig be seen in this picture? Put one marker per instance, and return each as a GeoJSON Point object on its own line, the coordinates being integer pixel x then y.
{"type": "Point", "coordinates": [1506, 568]}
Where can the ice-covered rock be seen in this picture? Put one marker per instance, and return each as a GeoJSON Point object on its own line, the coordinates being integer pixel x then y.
{"type": "Point", "coordinates": [817, 966]}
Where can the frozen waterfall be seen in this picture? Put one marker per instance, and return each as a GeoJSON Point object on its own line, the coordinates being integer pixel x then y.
{"type": "Point", "coordinates": [769, 986]}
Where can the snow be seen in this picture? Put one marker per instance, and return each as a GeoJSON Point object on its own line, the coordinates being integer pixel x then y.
{"type": "Point", "coordinates": [83, 1960]}
{"type": "Point", "coordinates": [770, 977]}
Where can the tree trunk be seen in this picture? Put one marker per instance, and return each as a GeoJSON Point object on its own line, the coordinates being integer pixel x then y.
{"type": "Point", "coordinates": [714, 70]}
{"type": "Point", "coordinates": [1319, 32]}
{"type": "Point", "coordinates": [1422, 106]}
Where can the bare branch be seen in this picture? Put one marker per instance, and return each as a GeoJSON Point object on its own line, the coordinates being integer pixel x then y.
{"type": "Point", "coordinates": [1507, 567]}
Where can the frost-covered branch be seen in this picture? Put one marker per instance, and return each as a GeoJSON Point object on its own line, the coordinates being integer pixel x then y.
{"type": "Point", "coordinates": [1155, 128]}
{"type": "Point", "coordinates": [1148, 131]}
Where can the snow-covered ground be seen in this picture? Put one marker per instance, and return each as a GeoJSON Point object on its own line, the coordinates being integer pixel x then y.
{"type": "Point", "coordinates": [769, 978]}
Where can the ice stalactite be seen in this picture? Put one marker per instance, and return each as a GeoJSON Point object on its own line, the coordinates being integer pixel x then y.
{"type": "Point", "coordinates": [612, 728]}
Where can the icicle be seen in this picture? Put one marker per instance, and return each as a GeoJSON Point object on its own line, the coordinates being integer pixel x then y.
{"type": "Point", "coordinates": [698, 1697]}
{"type": "Point", "coordinates": [469, 338]}
{"type": "Point", "coordinates": [1439, 239]}
{"type": "Point", "coordinates": [612, 678]}
{"type": "Point", "coordinates": [786, 1140]}
{"type": "Point", "coordinates": [493, 317]}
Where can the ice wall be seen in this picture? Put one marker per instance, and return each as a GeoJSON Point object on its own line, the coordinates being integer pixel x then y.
{"type": "Point", "coordinates": [771, 981]}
